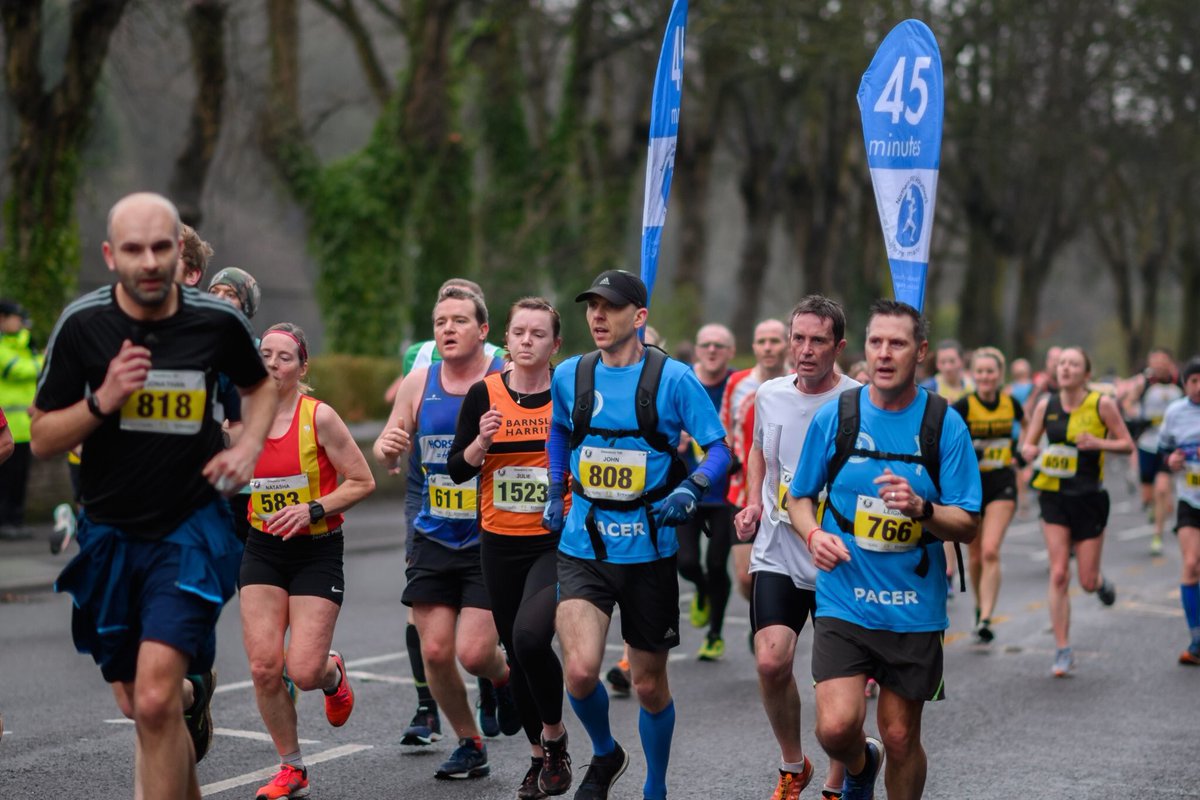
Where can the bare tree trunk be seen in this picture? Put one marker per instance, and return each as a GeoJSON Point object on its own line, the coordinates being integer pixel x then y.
{"type": "Point", "coordinates": [40, 260]}
{"type": "Point", "coordinates": [205, 21]}
{"type": "Point", "coordinates": [756, 246]}
{"type": "Point", "coordinates": [979, 320]}
{"type": "Point", "coordinates": [693, 173]}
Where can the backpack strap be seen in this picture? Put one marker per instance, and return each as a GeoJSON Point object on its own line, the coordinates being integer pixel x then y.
{"type": "Point", "coordinates": [585, 390]}
{"type": "Point", "coordinates": [646, 410]}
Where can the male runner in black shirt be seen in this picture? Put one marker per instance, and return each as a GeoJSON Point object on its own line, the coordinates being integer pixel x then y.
{"type": "Point", "coordinates": [130, 373]}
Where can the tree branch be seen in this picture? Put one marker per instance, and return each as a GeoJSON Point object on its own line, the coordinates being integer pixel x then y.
{"type": "Point", "coordinates": [205, 21]}
{"type": "Point", "coordinates": [347, 16]}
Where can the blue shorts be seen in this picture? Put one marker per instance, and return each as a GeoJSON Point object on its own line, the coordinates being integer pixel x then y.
{"type": "Point", "coordinates": [128, 590]}
{"type": "Point", "coordinates": [1149, 465]}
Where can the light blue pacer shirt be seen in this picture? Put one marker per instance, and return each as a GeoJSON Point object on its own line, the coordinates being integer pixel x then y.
{"type": "Point", "coordinates": [879, 587]}
{"type": "Point", "coordinates": [617, 468]}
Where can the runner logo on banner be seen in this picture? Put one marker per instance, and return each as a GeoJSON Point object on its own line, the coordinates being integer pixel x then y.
{"type": "Point", "coordinates": [665, 104]}
{"type": "Point", "coordinates": [901, 102]}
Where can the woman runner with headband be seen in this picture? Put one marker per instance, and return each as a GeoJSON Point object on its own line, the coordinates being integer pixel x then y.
{"type": "Point", "coordinates": [501, 436]}
{"type": "Point", "coordinates": [291, 574]}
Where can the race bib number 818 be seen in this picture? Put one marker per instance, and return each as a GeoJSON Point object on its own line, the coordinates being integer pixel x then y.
{"type": "Point", "coordinates": [171, 401]}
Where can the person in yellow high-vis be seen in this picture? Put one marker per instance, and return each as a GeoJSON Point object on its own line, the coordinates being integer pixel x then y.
{"type": "Point", "coordinates": [19, 367]}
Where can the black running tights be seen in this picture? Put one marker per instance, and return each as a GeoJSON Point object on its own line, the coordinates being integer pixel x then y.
{"type": "Point", "coordinates": [521, 575]}
{"type": "Point", "coordinates": [712, 581]}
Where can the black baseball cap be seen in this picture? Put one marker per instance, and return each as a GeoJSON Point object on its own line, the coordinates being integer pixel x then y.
{"type": "Point", "coordinates": [8, 307]}
{"type": "Point", "coordinates": [617, 286]}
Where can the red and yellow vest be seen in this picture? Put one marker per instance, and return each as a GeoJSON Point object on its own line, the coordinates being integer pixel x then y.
{"type": "Point", "coordinates": [514, 477]}
{"type": "Point", "coordinates": [292, 470]}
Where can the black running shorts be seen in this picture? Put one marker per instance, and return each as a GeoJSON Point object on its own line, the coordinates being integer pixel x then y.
{"type": "Point", "coordinates": [302, 566]}
{"type": "Point", "coordinates": [1186, 516]}
{"type": "Point", "coordinates": [909, 664]}
{"type": "Point", "coordinates": [438, 575]}
{"type": "Point", "coordinates": [775, 600]}
{"type": "Point", "coordinates": [998, 484]}
{"type": "Point", "coordinates": [1086, 515]}
{"type": "Point", "coordinates": [646, 593]}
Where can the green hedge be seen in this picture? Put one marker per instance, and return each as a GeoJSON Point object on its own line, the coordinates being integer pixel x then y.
{"type": "Point", "coordinates": [353, 385]}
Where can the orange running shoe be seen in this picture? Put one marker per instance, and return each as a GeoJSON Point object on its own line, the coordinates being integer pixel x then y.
{"type": "Point", "coordinates": [791, 784]}
{"type": "Point", "coordinates": [288, 784]}
{"type": "Point", "coordinates": [339, 704]}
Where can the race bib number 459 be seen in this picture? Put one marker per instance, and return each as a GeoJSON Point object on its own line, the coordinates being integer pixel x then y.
{"type": "Point", "coordinates": [171, 401]}
{"type": "Point", "coordinates": [608, 473]}
{"type": "Point", "coordinates": [882, 529]}
{"type": "Point", "coordinates": [1060, 461]}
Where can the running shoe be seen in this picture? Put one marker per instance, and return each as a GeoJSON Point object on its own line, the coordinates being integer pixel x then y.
{"type": "Point", "coordinates": [198, 716]}
{"type": "Point", "coordinates": [601, 774]}
{"type": "Point", "coordinates": [830, 793]}
{"type": "Point", "coordinates": [1156, 545]}
{"type": "Point", "coordinates": [1107, 592]}
{"type": "Point", "coordinates": [424, 729]}
{"type": "Point", "coordinates": [555, 777]}
{"type": "Point", "coordinates": [485, 709]}
{"type": "Point", "coordinates": [862, 785]}
{"type": "Point", "coordinates": [619, 679]}
{"type": "Point", "coordinates": [791, 784]}
{"type": "Point", "coordinates": [1191, 656]}
{"type": "Point", "coordinates": [64, 528]}
{"type": "Point", "coordinates": [339, 704]}
{"type": "Point", "coordinates": [287, 784]}
{"type": "Point", "coordinates": [700, 611]}
{"type": "Point", "coordinates": [507, 715]}
{"type": "Point", "coordinates": [528, 790]}
{"type": "Point", "coordinates": [872, 688]}
{"type": "Point", "coordinates": [1064, 662]}
{"type": "Point", "coordinates": [712, 649]}
{"type": "Point", "coordinates": [983, 632]}
{"type": "Point", "coordinates": [467, 761]}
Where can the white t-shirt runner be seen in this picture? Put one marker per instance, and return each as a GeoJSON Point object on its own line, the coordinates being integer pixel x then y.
{"type": "Point", "coordinates": [1181, 430]}
{"type": "Point", "coordinates": [782, 414]}
{"type": "Point", "coordinates": [1155, 400]}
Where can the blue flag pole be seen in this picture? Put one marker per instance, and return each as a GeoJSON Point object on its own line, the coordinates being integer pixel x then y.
{"type": "Point", "coordinates": [665, 106]}
{"type": "Point", "coordinates": [901, 99]}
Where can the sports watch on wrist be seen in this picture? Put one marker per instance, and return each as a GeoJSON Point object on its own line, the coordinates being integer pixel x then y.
{"type": "Point", "coordinates": [93, 405]}
{"type": "Point", "coordinates": [701, 480]}
{"type": "Point", "coordinates": [316, 512]}
{"type": "Point", "coordinates": [926, 510]}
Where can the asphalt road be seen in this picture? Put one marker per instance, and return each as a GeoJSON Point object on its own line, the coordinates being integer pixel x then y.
{"type": "Point", "coordinates": [1124, 726]}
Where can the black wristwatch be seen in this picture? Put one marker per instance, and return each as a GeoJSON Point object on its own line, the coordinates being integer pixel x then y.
{"type": "Point", "coordinates": [316, 512]}
{"type": "Point", "coordinates": [926, 510]}
{"type": "Point", "coordinates": [701, 480]}
{"type": "Point", "coordinates": [93, 405]}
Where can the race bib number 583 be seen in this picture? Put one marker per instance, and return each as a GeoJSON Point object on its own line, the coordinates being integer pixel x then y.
{"type": "Point", "coordinates": [171, 401]}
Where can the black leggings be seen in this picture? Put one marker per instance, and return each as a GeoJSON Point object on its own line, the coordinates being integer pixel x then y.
{"type": "Point", "coordinates": [521, 575]}
{"type": "Point", "coordinates": [713, 580]}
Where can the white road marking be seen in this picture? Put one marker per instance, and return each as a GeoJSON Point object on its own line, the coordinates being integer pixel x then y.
{"type": "Point", "coordinates": [257, 736]}
{"type": "Point", "coordinates": [357, 662]}
{"type": "Point", "coordinates": [252, 777]}
{"type": "Point", "coordinates": [374, 677]}
{"type": "Point", "coordinates": [1140, 532]}
{"type": "Point", "coordinates": [1151, 608]}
